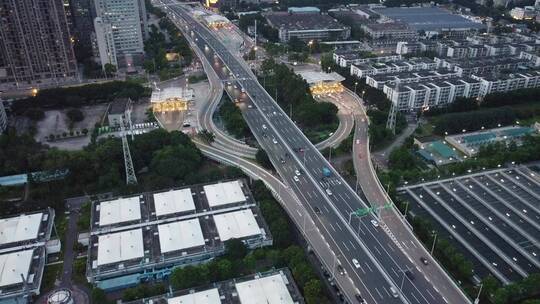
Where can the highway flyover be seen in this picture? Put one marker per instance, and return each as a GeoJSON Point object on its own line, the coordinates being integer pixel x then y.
{"type": "Point", "coordinates": [373, 260]}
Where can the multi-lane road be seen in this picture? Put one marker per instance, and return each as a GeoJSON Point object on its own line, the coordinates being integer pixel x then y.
{"type": "Point", "coordinates": [374, 262]}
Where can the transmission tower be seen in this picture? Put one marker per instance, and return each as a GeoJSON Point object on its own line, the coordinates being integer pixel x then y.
{"type": "Point", "coordinates": [131, 178]}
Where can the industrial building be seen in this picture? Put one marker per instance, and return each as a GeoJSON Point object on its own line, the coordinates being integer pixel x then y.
{"type": "Point", "coordinates": [169, 229]}
{"type": "Point", "coordinates": [272, 287]}
{"type": "Point", "coordinates": [389, 30]}
{"type": "Point", "coordinates": [24, 246]}
{"type": "Point", "coordinates": [307, 26]}
{"type": "Point", "coordinates": [491, 217]}
{"type": "Point", "coordinates": [471, 142]}
{"type": "Point", "coordinates": [36, 45]}
{"type": "Point", "coordinates": [432, 20]}
{"type": "Point", "coordinates": [435, 151]}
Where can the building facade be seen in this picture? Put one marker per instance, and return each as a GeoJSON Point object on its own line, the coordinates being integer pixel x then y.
{"type": "Point", "coordinates": [307, 26]}
{"type": "Point", "coordinates": [35, 43]}
{"type": "Point", "coordinates": [3, 117]}
{"type": "Point", "coordinates": [120, 28]}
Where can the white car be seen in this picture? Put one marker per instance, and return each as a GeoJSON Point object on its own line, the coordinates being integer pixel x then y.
{"type": "Point", "coordinates": [328, 191]}
{"type": "Point", "coordinates": [274, 141]}
{"type": "Point", "coordinates": [264, 127]}
{"type": "Point", "coordinates": [375, 223]}
{"type": "Point", "coordinates": [355, 262]}
{"type": "Point", "coordinates": [297, 172]}
{"type": "Point", "coordinates": [296, 179]}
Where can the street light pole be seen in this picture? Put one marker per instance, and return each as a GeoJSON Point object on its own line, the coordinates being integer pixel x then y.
{"type": "Point", "coordinates": [477, 300]}
{"type": "Point", "coordinates": [406, 207]}
{"type": "Point", "coordinates": [355, 85]}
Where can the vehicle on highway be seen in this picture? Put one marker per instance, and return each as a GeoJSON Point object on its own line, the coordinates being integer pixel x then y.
{"type": "Point", "coordinates": [328, 191]}
{"type": "Point", "coordinates": [355, 262]}
{"type": "Point", "coordinates": [264, 127]}
{"type": "Point", "coordinates": [274, 141]}
{"type": "Point", "coordinates": [282, 160]}
{"type": "Point", "coordinates": [359, 298]}
{"type": "Point", "coordinates": [326, 172]}
{"type": "Point", "coordinates": [296, 179]}
{"type": "Point", "coordinates": [297, 172]}
{"type": "Point", "coordinates": [374, 223]}
{"type": "Point", "coordinates": [424, 260]}
{"type": "Point", "coordinates": [250, 106]}
{"type": "Point", "coordinates": [409, 275]}
{"type": "Point", "coordinates": [394, 292]}
{"type": "Point", "coordinates": [340, 270]}
{"type": "Point", "coordinates": [316, 209]}
{"type": "Point", "coordinates": [358, 141]}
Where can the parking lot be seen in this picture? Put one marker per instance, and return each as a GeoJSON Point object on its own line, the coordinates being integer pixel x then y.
{"type": "Point", "coordinates": [493, 216]}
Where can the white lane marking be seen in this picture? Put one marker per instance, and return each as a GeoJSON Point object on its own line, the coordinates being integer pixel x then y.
{"type": "Point", "coordinates": [378, 292]}
{"type": "Point", "coordinates": [368, 267]}
{"type": "Point", "coordinates": [352, 244]}
{"type": "Point", "coordinates": [332, 226]}
{"type": "Point", "coordinates": [346, 246]}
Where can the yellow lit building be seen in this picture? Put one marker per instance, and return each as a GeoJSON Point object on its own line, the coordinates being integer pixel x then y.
{"type": "Point", "coordinates": [321, 83]}
{"type": "Point", "coordinates": [171, 99]}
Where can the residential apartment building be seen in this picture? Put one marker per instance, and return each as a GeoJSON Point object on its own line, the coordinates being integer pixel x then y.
{"type": "Point", "coordinates": [490, 84]}
{"type": "Point", "coordinates": [35, 44]}
{"type": "Point", "coordinates": [389, 30]}
{"type": "Point", "coordinates": [82, 17]}
{"type": "Point", "coordinates": [413, 97]}
{"type": "Point", "coordinates": [533, 57]}
{"type": "Point", "coordinates": [469, 66]}
{"type": "Point", "coordinates": [378, 81]}
{"type": "Point", "coordinates": [120, 26]}
{"type": "Point", "coordinates": [415, 64]}
{"type": "Point", "coordinates": [346, 58]}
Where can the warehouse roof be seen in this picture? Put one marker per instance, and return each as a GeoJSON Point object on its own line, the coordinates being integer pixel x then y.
{"type": "Point", "coordinates": [173, 201]}
{"type": "Point", "coordinates": [20, 228]}
{"type": "Point", "coordinates": [180, 235]}
{"type": "Point", "coordinates": [428, 18]}
{"type": "Point", "coordinates": [238, 224]}
{"type": "Point", "coordinates": [120, 246]}
{"type": "Point", "coordinates": [210, 296]}
{"type": "Point", "coordinates": [13, 265]}
{"type": "Point", "coordinates": [119, 211]}
{"type": "Point", "coordinates": [267, 290]}
{"type": "Point", "coordinates": [224, 193]}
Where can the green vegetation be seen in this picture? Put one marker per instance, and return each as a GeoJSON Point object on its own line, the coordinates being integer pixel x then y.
{"type": "Point", "coordinates": [98, 296]}
{"type": "Point", "coordinates": [263, 159]}
{"type": "Point", "coordinates": [232, 118]}
{"type": "Point", "coordinates": [525, 291]}
{"type": "Point", "coordinates": [143, 291]}
{"type": "Point", "coordinates": [158, 45]}
{"type": "Point", "coordinates": [50, 274]}
{"type": "Point", "coordinates": [238, 261]}
{"type": "Point", "coordinates": [75, 115]}
{"type": "Point", "coordinates": [79, 271]}
{"type": "Point", "coordinates": [75, 97]}
{"type": "Point", "coordinates": [83, 224]}
{"type": "Point", "coordinates": [207, 136]}
{"type": "Point", "coordinates": [293, 95]}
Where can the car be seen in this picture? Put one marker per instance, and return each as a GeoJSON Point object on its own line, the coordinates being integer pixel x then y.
{"type": "Point", "coordinates": [424, 261]}
{"type": "Point", "coordinates": [409, 275]}
{"type": "Point", "coordinates": [340, 269]}
{"type": "Point", "coordinates": [328, 191]}
{"type": "Point", "coordinates": [282, 160]}
{"type": "Point", "coordinates": [296, 179]}
{"type": "Point", "coordinates": [297, 172]}
{"type": "Point", "coordinates": [316, 209]}
{"type": "Point", "coordinates": [274, 141]}
{"type": "Point", "coordinates": [359, 298]}
{"type": "Point", "coordinates": [355, 262]}
{"type": "Point", "coordinates": [394, 292]}
{"type": "Point", "coordinates": [374, 223]}
{"type": "Point", "coordinates": [250, 106]}
{"type": "Point", "coordinates": [264, 127]}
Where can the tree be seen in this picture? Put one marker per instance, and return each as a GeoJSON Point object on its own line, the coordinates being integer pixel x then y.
{"type": "Point", "coordinates": [235, 249]}
{"type": "Point", "coordinates": [75, 115]}
{"type": "Point", "coordinates": [110, 69]}
{"type": "Point", "coordinates": [225, 269]}
{"type": "Point", "coordinates": [262, 158]}
{"type": "Point", "coordinates": [313, 291]}
{"type": "Point", "coordinates": [187, 277]}
{"type": "Point", "coordinates": [98, 296]}
{"type": "Point", "coordinates": [35, 114]}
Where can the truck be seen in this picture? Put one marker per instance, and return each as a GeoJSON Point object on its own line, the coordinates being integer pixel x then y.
{"type": "Point", "coordinates": [326, 172]}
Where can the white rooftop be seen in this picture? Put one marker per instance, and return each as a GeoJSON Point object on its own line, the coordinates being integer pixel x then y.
{"type": "Point", "coordinates": [120, 246]}
{"type": "Point", "coordinates": [210, 296]}
{"type": "Point", "coordinates": [216, 19]}
{"type": "Point", "coordinates": [224, 193]}
{"type": "Point", "coordinates": [119, 211]}
{"type": "Point", "coordinates": [20, 228]}
{"type": "Point", "coordinates": [173, 201]}
{"type": "Point", "coordinates": [13, 264]}
{"type": "Point", "coordinates": [313, 77]}
{"type": "Point", "coordinates": [236, 224]}
{"type": "Point", "coordinates": [180, 235]}
{"type": "Point", "coordinates": [267, 290]}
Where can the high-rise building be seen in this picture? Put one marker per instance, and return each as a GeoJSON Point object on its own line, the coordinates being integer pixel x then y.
{"type": "Point", "coordinates": [3, 117]}
{"type": "Point", "coordinates": [35, 44]}
{"type": "Point", "coordinates": [82, 13]}
{"type": "Point", "coordinates": [120, 27]}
